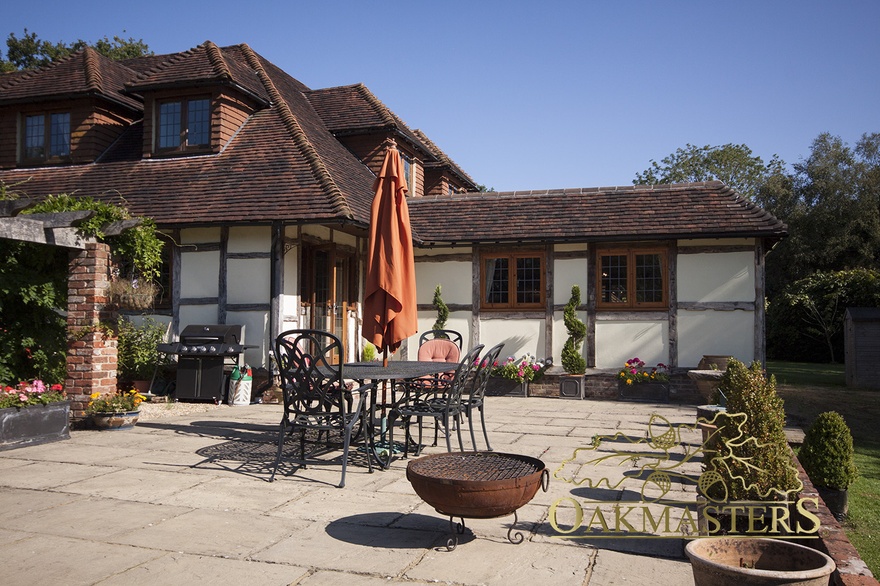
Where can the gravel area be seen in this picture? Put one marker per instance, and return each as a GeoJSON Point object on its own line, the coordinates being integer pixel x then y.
{"type": "Point", "coordinates": [152, 411]}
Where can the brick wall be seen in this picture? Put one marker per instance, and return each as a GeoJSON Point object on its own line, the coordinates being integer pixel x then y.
{"type": "Point", "coordinates": [602, 385]}
{"type": "Point", "coordinates": [91, 354]}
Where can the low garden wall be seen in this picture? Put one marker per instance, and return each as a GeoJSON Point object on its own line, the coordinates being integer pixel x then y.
{"type": "Point", "coordinates": [602, 385]}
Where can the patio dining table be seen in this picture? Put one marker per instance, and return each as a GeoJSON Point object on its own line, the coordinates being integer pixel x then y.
{"type": "Point", "coordinates": [391, 373]}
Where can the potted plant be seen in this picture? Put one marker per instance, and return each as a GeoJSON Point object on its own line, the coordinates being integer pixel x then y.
{"type": "Point", "coordinates": [118, 410]}
{"type": "Point", "coordinates": [138, 353]}
{"type": "Point", "coordinates": [442, 311]}
{"type": "Point", "coordinates": [638, 382]}
{"type": "Point", "coordinates": [827, 458]}
{"type": "Point", "coordinates": [512, 376]}
{"type": "Point", "coordinates": [572, 360]}
{"type": "Point", "coordinates": [32, 413]}
{"type": "Point", "coordinates": [748, 454]}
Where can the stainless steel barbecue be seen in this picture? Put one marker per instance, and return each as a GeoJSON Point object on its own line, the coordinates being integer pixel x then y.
{"type": "Point", "coordinates": [203, 352]}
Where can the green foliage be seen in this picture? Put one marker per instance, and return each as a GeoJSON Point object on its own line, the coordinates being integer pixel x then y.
{"type": "Point", "coordinates": [369, 353]}
{"type": "Point", "coordinates": [805, 321]}
{"type": "Point", "coordinates": [731, 163]}
{"type": "Point", "coordinates": [572, 360]}
{"type": "Point", "coordinates": [753, 457]}
{"type": "Point", "coordinates": [137, 250]}
{"type": "Point", "coordinates": [827, 452]}
{"type": "Point", "coordinates": [442, 311]}
{"type": "Point", "coordinates": [832, 208]}
{"type": "Point", "coordinates": [29, 52]}
{"type": "Point", "coordinates": [33, 290]}
{"type": "Point", "coordinates": [137, 348]}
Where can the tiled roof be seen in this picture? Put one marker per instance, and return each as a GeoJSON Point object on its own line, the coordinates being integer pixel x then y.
{"type": "Point", "coordinates": [283, 164]}
{"type": "Point", "coordinates": [689, 210]}
{"type": "Point", "coordinates": [354, 109]}
{"type": "Point", "coordinates": [205, 64]}
{"type": "Point", "coordinates": [85, 72]}
{"type": "Point", "coordinates": [443, 159]}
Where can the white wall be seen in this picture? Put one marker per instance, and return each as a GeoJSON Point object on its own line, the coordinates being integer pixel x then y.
{"type": "Point", "coordinates": [728, 276]}
{"type": "Point", "coordinates": [454, 279]}
{"type": "Point", "coordinates": [519, 336]}
{"type": "Point", "coordinates": [618, 341]}
{"type": "Point", "coordinates": [729, 333]}
{"type": "Point", "coordinates": [256, 333]}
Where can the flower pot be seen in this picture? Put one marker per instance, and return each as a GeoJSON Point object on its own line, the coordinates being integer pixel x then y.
{"type": "Point", "coordinates": [141, 386]}
{"type": "Point", "coordinates": [649, 392]}
{"type": "Point", "coordinates": [836, 500]}
{"type": "Point", "coordinates": [111, 421]}
{"type": "Point", "coordinates": [571, 386]}
{"type": "Point", "coordinates": [35, 424]}
{"type": "Point", "coordinates": [498, 386]}
{"type": "Point", "coordinates": [726, 561]}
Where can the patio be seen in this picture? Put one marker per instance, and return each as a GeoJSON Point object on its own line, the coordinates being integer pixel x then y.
{"type": "Point", "coordinates": [185, 497]}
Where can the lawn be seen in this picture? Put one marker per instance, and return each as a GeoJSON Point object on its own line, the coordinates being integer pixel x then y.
{"type": "Point", "coordinates": [810, 389]}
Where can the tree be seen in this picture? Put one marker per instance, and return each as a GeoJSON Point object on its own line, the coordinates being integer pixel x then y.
{"type": "Point", "coordinates": [29, 52]}
{"type": "Point", "coordinates": [832, 208]}
{"type": "Point", "coordinates": [733, 164]}
{"type": "Point", "coordinates": [805, 320]}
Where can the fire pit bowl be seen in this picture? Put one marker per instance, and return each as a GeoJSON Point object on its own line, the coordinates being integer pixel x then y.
{"type": "Point", "coordinates": [477, 485]}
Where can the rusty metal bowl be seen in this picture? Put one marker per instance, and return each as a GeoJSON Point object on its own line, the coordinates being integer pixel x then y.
{"type": "Point", "coordinates": [476, 485]}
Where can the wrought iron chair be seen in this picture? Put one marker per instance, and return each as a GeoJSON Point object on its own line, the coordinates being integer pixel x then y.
{"type": "Point", "coordinates": [315, 395]}
{"type": "Point", "coordinates": [451, 335]}
{"type": "Point", "coordinates": [421, 400]}
{"type": "Point", "coordinates": [476, 399]}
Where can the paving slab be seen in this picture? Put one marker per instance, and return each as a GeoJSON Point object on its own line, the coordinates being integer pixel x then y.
{"type": "Point", "coordinates": [175, 569]}
{"type": "Point", "coordinates": [190, 502]}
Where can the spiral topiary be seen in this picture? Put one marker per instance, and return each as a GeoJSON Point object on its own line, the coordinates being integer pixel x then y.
{"type": "Point", "coordinates": [572, 360]}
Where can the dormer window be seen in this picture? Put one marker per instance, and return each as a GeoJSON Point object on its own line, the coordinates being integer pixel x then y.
{"type": "Point", "coordinates": [46, 136]}
{"type": "Point", "coordinates": [184, 125]}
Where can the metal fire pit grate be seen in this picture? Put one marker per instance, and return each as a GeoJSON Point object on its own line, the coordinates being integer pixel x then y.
{"type": "Point", "coordinates": [476, 467]}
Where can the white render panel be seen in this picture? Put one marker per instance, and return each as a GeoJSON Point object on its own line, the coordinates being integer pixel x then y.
{"type": "Point", "coordinates": [250, 239]}
{"type": "Point", "coordinates": [199, 274]}
{"type": "Point", "coordinates": [459, 321]}
{"type": "Point", "coordinates": [728, 276]}
{"type": "Point", "coordinates": [519, 336]}
{"type": "Point", "coordinates": [454, 279]}
{"type": "Point", "coordinates": [567, 273]}
{"type": "Point", "coordinates": [256, 333]}
{"type": "Point", "coordinates": [199, 235]}
{"type": "Point", "coordinates": [248, 280]}
{"type": "Point", "coordinates": [618, 341]}
{"type": "Point", "coordinates": [197, 315]}
{"type": "Point", "coordinates": [719, 333]}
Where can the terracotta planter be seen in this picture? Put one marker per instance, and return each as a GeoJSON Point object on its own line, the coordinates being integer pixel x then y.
{"type": "Point", "coordinates": [726, 561]}
{"type": "Point", "coordinates": [37, 424]}
{"type": "Point", "coordinates": [498, 386]}
{"type": "Point", "coordinates": [113, 421]}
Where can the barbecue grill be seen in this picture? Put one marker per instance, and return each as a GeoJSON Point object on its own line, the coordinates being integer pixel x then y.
{"type": "Point", "coordinates": [202, 354]}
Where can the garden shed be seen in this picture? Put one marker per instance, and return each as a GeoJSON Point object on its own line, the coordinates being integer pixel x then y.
{"type": "Point", "coordinates": [862, 339]}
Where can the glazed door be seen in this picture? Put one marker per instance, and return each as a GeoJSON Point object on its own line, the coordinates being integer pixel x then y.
{"type": "Point", "coordinates": [327, 286]}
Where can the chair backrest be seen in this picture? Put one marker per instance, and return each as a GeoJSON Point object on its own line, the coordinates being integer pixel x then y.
{"type": "Point", "coordinates": [464, 374]}
{"type": "Point", "coordinates": [310, 380]}
{"type": "Point", "coordinates": [439, 350]}
{"type": "Point", "coordinates": [484, 371]}
{"type": "Point", "coordinates": [442, 335]}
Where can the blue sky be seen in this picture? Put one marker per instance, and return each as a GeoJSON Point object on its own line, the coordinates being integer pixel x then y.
{"type": "Point", "coordinates": [545, 94]}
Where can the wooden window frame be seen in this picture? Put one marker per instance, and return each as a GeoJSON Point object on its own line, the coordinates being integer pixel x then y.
{"type": "Point", "coordinates": [631, 304]}
{"type": "Point", "coordinates": [47, 155]}
{"type": "Point", "coordinates": [184, 125]}
{"type": "Point", "coordinates": [512, 304]}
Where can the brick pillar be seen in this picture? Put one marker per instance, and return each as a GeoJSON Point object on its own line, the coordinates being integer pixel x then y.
{"type": "Point", "coordinates": [91, 354]}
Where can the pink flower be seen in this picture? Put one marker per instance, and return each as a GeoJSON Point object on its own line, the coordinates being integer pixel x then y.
{"type": "Point", "coordinates": [22, 397]}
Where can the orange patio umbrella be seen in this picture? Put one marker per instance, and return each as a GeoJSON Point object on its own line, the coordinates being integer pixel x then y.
{"type": "Point", "coordinates": [390, 296]}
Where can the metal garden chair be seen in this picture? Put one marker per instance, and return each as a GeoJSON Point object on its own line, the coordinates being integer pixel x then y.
{"type": "Point", "coordinates": [421, 400]}
{"type": "Point", "coordinates": [315, 395]}
{"type": "Point", "coordinates": [476, 399]}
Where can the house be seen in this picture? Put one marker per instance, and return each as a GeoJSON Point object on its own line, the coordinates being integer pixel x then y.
{"type": "Point", "coordinates": [263, 188]}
